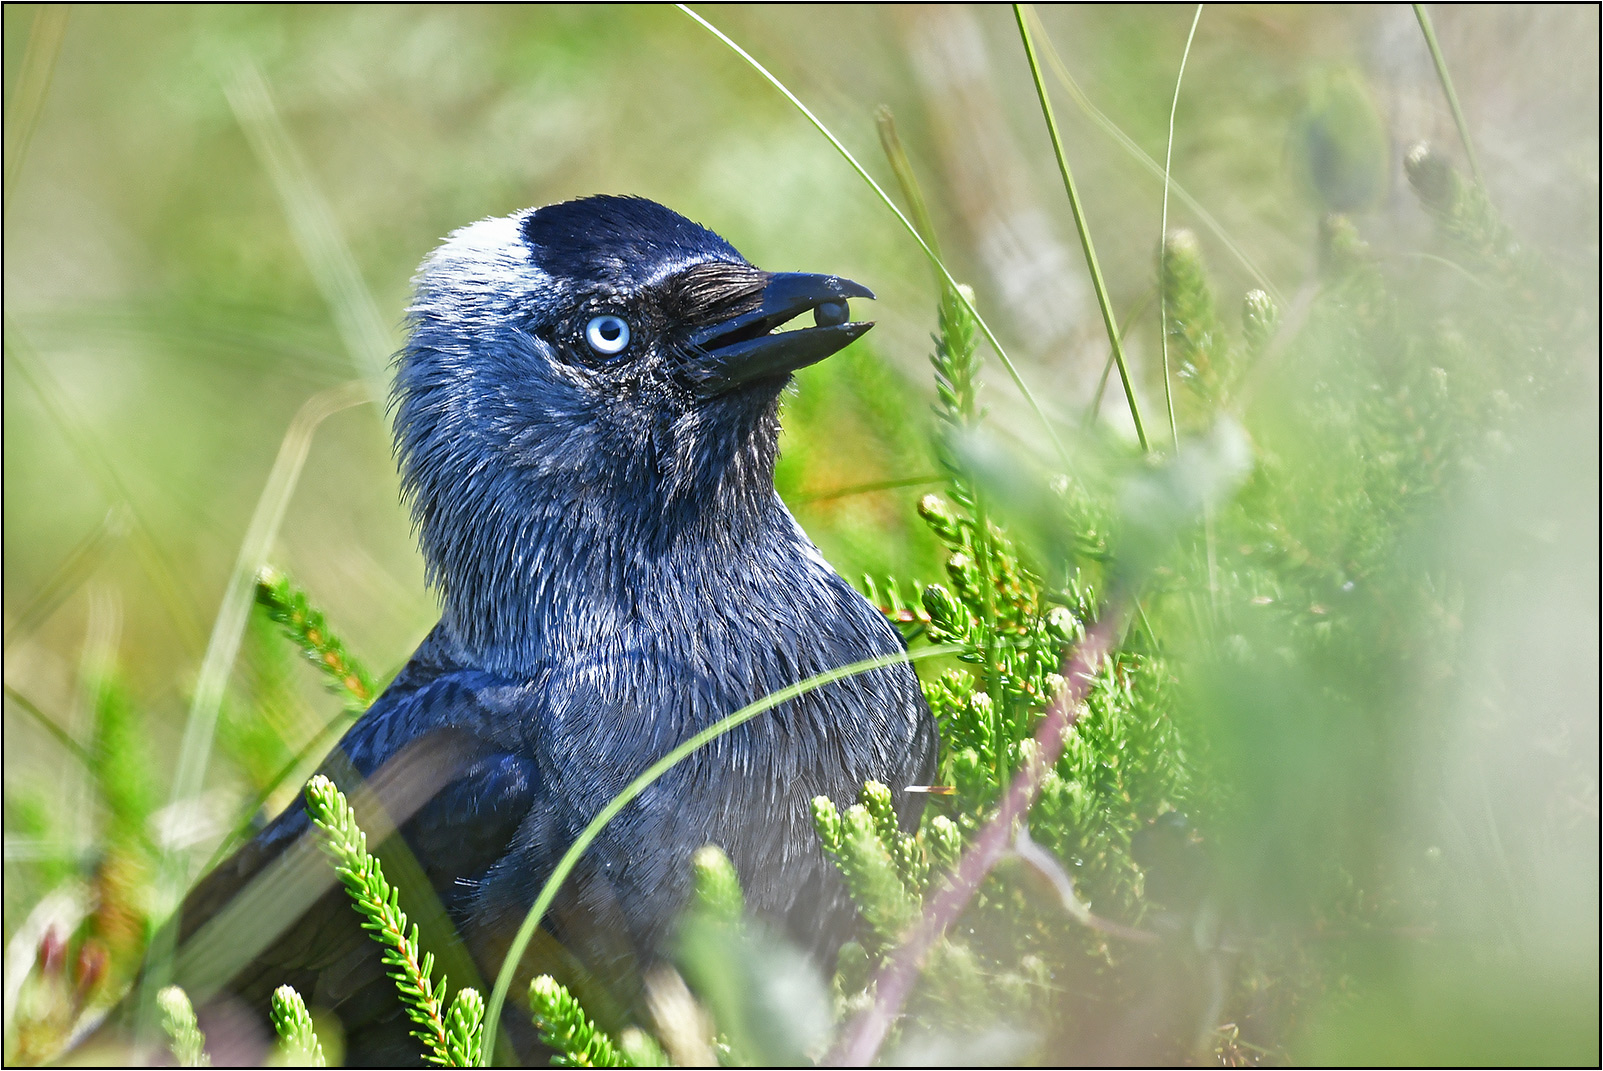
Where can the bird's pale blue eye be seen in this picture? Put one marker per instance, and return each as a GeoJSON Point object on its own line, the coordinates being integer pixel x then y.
{"type": "Point", "coordinates": [607, 334]}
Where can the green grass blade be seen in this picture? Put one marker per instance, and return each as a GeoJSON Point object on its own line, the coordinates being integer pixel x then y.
{"type": "Point", "coordinates": [229, 627]}
{"type": "Point", "coordinates": [367, 340]}
{"type": "Point", "coordinates": [1103, 302]}
{"type": "Point", "coordinates": [1163, 232]}
{"type": "Point", "coordinates": [60, 735]}
{"type": "Point", "coordinates": [28, 97]}
{"type": "Point", "coordinates": [548, 892]}
{"type": "Point", "coordinates": [80, 562]}
{"type": "Point", "coordinates": [929, 251]}
{"type": "Point", "coordinates": [1152, 167]}
{"type": "Point", "coordinates": [95, 458]}
{"type": "Point", "coordinates": [1447, 88]}
{"type": "Point", "coordinates": [866, 488]}
{"type": "Point", "coordinates": [1135, 313]}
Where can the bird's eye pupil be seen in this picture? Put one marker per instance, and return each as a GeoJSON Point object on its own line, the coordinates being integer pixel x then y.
{"type": "Point", "coordinates": [607, 334]}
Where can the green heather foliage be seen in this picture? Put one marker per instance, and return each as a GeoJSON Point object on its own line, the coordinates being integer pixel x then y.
{"type": "Point", "coordinates": [451, 1036]}
{"type": "Point", "coordinates": [575, 1041]}
{"type": "Point", "coordinates": [857, 844]}
{"type": "Point", "coordinates": [297, 1036]}
{"type": "Point", "coordinates": [288, 606]}
{"type": "Point", "coordinates": [717, 886]}
{"type": "Point", "coordinates": [1296, 572]}
{"type": "Point", "coordinates": [183, 1032]}
{"type": "Point", "coordinates": [1122, 766]}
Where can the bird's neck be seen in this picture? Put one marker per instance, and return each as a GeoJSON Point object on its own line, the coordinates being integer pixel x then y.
{"type": "Point", "coordinates": [536, 567]}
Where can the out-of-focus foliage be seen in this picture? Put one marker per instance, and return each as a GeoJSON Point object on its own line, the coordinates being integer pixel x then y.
{"type": "Point", "coordinates": [1343, 767]}
{"type": "Point", "coordinates": [298, 1045]}
{"type": "Point", "coordinates": [184, 1035]}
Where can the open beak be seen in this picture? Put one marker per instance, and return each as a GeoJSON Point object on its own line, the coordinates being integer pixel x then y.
{"type": "Point", "coordinates": [743, 349]}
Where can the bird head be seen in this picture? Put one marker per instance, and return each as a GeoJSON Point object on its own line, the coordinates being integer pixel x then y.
{"type": "Point", "coordinates": [605, 365]}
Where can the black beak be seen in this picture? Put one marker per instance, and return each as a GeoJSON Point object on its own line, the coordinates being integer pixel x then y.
{"type": "Point", "coordinates": [741, 349]}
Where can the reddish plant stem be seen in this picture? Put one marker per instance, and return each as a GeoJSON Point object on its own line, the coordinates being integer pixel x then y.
{"type": "Point", "coordinates": [895, 979]}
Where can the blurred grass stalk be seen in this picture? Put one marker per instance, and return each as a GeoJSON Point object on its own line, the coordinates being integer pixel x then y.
{"type": "Point", "coordinates": [369, 346]}
{"type": "Point", "coordinates": [1104, 303]}
{"type": "Point", "coordinates": [1440, 62]}
{"type": "Point", "coordinates": [1163, 231]}
{"type": "Point", "coordinates": [327, 255]}
{"type": "Point", "coordinates": [228, 630]}
{"type": "Point", "coordinates": [28, 97]}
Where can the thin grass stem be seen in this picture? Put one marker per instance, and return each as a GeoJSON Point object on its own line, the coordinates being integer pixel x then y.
{"type": "Point", "coordinates": [1447, 88]}
{"type": "Point", "coordinates": [76, 429]}
{"type": "Point", "coordinates": [79, 564]}
{"type": "Point", "coordinates": [60, 735]}
{"type": "Point", "coordinates": [1103, 302]}
{"type": "Point", "coordinates": [929, 251]}
{"type": "Point", "coordinates": [229, 627]}
{"type": "Point", "coordinates": [1163, 233]}
{"type": "Point", "coordinates": [1152, 167]}
{"type": "Point", "coordinates": [1107, 366]}
{"type": "Point", "coordinates": [28, 95]}
{"type": "Point", "coordinates": [367, 340]}
{"type": "Point", "coordinates": [564, 867]}
{"type": "Point", "coordinates": [867, 488]}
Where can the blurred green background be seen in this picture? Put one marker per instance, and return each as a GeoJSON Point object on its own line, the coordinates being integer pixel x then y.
{"type": "Point", "coordinates": [185, 185]}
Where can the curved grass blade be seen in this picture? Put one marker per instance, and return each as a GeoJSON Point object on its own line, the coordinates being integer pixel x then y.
{"type": "Point", "coordinates": [1163, 232]}
{"type": "Point", "coordinates": [1139, 155]}
{"type": "Point", "coordinates": [94, 456]}
{"type": "Point", "coordinates": [564, 867]}
{"type": "Point", "coordinates": [866, 489]}
{"type": "Point", "coordinates": [228, 629]}
{"type": "Point", "coordinates": [1103, 302]}
{"type": "Point", "coordinates": [929, 251]}
{"type": "Point", "coordinates": [312, 222]}
{"type": "Point", "coordinates": [28, 96]}
{"type": "Point", "coordinates": [45, 722]}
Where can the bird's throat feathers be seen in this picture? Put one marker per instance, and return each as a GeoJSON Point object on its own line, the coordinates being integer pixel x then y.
{"type": "Point", "coordinates": [529, 559]}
